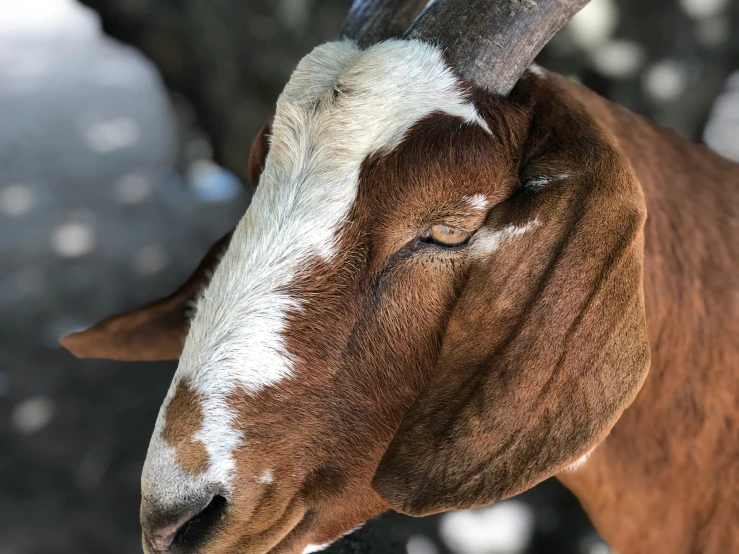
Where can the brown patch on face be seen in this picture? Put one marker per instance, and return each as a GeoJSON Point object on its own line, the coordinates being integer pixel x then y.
{"type": "Point", "coordinates": [184, 418]}
{"type": "Point", "coordinates": [366, 337]}
{"type": "Point", "coordinates": [377, 322]}
{"type": "Point", "coordinates": [431, 177]}
{"type": "Point", "coordinates": [546, 345]}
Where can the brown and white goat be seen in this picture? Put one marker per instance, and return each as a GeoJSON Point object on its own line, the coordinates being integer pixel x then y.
{"type": "Point", "coordinates": [443, 292]}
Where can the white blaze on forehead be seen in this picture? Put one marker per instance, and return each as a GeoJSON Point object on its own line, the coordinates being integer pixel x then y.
{"type": "Point", "coordinates": [340, 105]}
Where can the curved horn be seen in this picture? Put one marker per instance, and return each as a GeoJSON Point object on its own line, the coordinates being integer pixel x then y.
{"type": "Point", "coordinates": [492, 42]}
{"type": "Point", "coordinates": [370, 21]}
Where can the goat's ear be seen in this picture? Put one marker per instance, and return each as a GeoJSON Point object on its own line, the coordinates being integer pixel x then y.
{"type": "Point", "coordinates": [258, 154]}
{"type": "Point", "coordinates": [154, 332]}
{"type": "Point", "coordinates": [157, 331]}
{"type": "Point", "coordinates": [546, 345]}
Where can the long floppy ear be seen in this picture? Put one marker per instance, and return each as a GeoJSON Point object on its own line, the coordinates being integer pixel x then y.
{"type": "Point", "coordinates": [151, 333]}
{"type": "Point", "coordinates": [157, 331]}
{"type": "Point", "coordinates": [546, 345]}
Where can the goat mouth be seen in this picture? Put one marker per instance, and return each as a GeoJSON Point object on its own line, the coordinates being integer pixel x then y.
{"type": "Point", "coordinates": [196, 532]}
{"type": "Point", "coordinates": [295, 534]}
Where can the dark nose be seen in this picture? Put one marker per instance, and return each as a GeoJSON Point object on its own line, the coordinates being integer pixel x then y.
{"type": "Point", "coordinates": [178, 531]}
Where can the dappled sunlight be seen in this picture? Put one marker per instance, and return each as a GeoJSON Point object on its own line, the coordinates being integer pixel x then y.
{"type": "Point", "coordinates": [503, 528]}
{"type": "Point", "coordinates": [113, 134]}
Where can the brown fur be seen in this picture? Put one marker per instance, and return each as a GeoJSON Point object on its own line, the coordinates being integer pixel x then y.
{"type": "Point", "coordinates": [430, 380]}
{"type": "Point", "coordinates": [667, 477]}
{"type": "Point", "coordinates": [183, 418]}
{"type": "Point", "coordinates": [564, 349]}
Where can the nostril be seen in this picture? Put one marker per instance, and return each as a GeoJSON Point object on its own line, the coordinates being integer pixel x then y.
{"type": "Point", "coordinates": [188, 530]}
{"type": "Point", "coordinates": [201, 524]}
{"type": "Point", "coordinates": [162, 538]}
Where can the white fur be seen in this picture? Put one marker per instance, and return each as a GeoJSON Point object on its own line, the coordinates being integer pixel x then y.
{"type": "Point", "coordinates": [315, 548]}
{"type": "Point", "coordinates": [580, 461]}
{"type": "Point", "coordinates": [537, 70]}
{"type": "Point", "coordinates": [539, 182]}
{"type": "Point", "coordinates": [477, 201]}
{"type": "Point", "coordinates": [487, 241]}
{"type": "Point", "coordinates": [319, 139]}
{"type": "Point", "coordinates": [267, 477]}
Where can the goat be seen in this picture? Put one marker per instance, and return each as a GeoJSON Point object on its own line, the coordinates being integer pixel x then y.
{"type": "Point", "coordinates": [446, 290]}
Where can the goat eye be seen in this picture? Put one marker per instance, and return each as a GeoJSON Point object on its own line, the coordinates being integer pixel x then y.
{"type": "Point", "coordinates": [448, 236]}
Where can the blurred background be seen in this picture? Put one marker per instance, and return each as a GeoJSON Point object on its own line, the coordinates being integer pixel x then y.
{"type": "Point", "coordinates": [124, 132]}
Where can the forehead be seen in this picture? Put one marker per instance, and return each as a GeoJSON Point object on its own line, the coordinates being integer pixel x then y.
{"type": "Point", "coordinates": [342, 100]}
{"type": "Point", "coordinates": [341, 105]}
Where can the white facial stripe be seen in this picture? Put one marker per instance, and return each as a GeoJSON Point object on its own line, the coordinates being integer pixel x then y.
{"type": "Point", "coordinates": [340, 105]}
{"type": "Point", "coordinates": [487, 241]}
{"type": "Point", "coordinates": [162, 480]}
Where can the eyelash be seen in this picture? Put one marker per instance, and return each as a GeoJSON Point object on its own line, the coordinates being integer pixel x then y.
{"type": "Point", "coordinates": [423, 243]}
{"type": "Point", "coordinates": [446, 236]}
{"type": "Point", "coordinates": [429, 240]}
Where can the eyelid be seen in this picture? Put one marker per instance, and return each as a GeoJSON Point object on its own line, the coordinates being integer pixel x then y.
{"type": "Point", "coordinates": [419, 244]}
{"type": "Point", "coordinates": [447, 235]}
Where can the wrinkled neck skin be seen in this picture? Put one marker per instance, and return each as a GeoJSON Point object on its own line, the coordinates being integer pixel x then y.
{"type": "Point", "coordinates": [667, 477]}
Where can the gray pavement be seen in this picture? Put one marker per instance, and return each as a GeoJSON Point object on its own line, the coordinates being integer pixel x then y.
{"type": "Point", "coordinates": [93, 219]}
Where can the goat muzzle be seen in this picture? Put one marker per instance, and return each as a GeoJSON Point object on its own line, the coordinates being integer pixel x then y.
{"type": "Point", "coordinates": [183, 530]}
